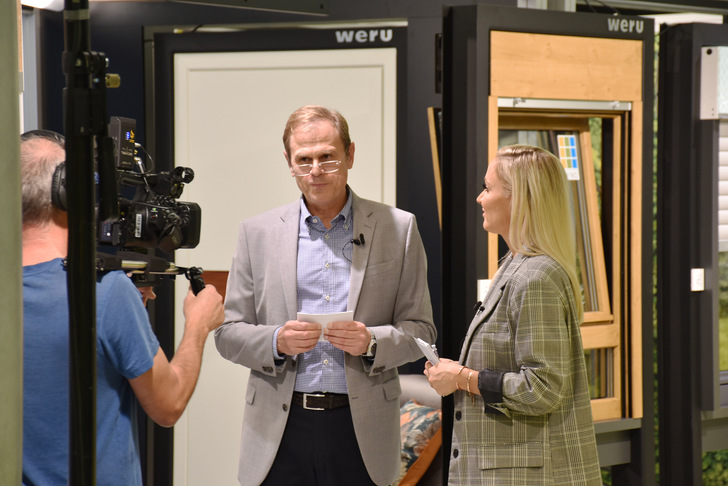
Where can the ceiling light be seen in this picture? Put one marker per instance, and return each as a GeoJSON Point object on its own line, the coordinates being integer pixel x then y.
{"type": "Point", "coordinates": [56, 5]}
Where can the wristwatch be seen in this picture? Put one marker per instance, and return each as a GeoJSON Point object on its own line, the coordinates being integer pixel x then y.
{"type": "Point", "coordinates": [372, 348]}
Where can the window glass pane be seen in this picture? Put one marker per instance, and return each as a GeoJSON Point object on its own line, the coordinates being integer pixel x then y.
{"type": "Point", "coordinates": [599, 366]}
{"type": "Point", "coordinates": [723, 248]}
{"type": "Point", "coordinates": [565, 145]}
{"type": "Point", "coordinates": [595, 128]}
{"type": "Point", "coordinates": [723, 307]}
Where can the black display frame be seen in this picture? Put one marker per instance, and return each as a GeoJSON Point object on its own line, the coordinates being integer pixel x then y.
{"type": "Point", "coordinates": [628, 444]}
{"type": "Point", "coordinates": [693, 416]}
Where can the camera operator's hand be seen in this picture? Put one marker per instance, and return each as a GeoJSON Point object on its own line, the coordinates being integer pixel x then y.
{"type": "Point", "coordinates": [147, 294]}
{"type": "Point", "coordinates": [298, 337]}
{"type": "Point", "coordinates": [166, 388]}
{"type": "Point", "coordinates": [204, 310]}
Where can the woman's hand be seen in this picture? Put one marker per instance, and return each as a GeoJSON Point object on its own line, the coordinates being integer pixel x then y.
{"type": "Point", "coordinates": [443, 376]}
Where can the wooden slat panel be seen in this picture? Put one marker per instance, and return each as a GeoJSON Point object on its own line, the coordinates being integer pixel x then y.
{"type": "Point", "coordinates": [216, 278]}
{"type": "Point", "coordinates": [565, 67]}
{"type": "Point", "coordinates": [597, 317]}
{"type": "Point", "coordinates": [606, 408]}
{"type": "Point", "coordinates": [635, 249]}
{"type": "Point", "coordinates": [433, 123]}
{"type": "Point", "coordinates": [600, 336]}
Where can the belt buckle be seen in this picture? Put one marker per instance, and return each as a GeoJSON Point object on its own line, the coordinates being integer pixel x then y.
{"type": "Point", "coordinates": [313, 395]}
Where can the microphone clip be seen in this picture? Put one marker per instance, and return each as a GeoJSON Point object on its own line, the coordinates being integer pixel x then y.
{"type": "Point", "coordinates": [478, 308]}
{"type": "Point", "coordinates": [360, 240]}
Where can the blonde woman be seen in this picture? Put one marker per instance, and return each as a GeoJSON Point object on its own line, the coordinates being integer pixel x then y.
{"type": "Point", "coordinates": [522, 413]}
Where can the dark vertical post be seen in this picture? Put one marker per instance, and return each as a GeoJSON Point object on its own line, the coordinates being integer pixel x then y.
{"type": "Point", "coordinates": [679, 425]}
{"type": "Point", "coordinates": [81, 243]}
{"type": "Point", "coordinates": [459, 236]}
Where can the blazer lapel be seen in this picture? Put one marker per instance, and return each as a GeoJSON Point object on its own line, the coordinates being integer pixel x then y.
{"type": "Point", "coordinates": [288, 256]}
{"type": "Point", "coordinates": [492, 298]}
{"type": "Point", "coordinates": [364, 223]}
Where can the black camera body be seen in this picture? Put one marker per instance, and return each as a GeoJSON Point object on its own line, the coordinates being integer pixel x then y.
{"type": "Point", "coordinates": [150, 214]}
{"type": "Point", "coordinates": [152, 217]}
{"type": "Point", "coordinates": [142, 210]}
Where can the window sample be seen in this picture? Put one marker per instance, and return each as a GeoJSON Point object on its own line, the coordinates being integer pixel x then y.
{"type": "Point", "coordinates": [576, 139]}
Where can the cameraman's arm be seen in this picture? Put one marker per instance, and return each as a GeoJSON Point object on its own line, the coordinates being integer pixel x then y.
{"type": "Point", "coordinates": [165, 389]}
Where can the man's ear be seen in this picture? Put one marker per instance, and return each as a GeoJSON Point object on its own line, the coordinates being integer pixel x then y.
{"type": "Point", "coordinates": [60, 217]}
{"type": "Point", "coordinates": [350, 162]}
{"type": "Point", "coordinates": [288, 159]}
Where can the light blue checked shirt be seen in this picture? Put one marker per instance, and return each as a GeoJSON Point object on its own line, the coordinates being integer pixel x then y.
{"type": "Point", "coordinates": [324, 268]}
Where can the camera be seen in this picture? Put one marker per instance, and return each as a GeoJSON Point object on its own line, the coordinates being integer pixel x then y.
{"type": "Point", "coordinates": [138, 210]}
{"type": "Point", "coordinates": [150, 213]}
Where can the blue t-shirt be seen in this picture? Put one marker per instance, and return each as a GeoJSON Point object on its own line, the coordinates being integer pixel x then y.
{"type": "Point", "coordinates": [126, 346]}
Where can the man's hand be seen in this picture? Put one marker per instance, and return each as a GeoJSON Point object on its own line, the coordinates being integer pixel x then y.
{"type": "Point", "coordinates": [297, 337]}
{"type": "Point", "coordinates": [350, 336]}
{"type": "Point", "coordinates": [204, 309]}
{"type": "Point", "coordinates": [147, 294]}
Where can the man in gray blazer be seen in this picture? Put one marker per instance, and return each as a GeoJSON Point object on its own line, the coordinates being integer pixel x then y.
{"type": "Point", "coordinates": [324, 410]}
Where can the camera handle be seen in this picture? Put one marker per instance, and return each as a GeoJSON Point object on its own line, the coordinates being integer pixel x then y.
{"type": "Point", "coordinates": [143, 264]}
{"type": "Point", "coordinates": [194, 275]}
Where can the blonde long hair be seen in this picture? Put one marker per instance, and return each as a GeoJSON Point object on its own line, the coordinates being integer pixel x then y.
{"type": "Point", "coordinates": [541, 217]}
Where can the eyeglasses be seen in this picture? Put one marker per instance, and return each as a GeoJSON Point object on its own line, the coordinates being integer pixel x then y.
{"type": "Point", "coordinates": [302, 170]}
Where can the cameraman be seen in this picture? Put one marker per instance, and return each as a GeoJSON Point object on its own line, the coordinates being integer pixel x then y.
{"type": "Point", "coordinates": [130, 364]}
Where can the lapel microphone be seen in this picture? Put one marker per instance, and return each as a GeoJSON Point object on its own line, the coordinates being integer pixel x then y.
{"type": "Point", "coordinates": [478, 307]}
{"type": "Point", "coordinates": [360, 240]}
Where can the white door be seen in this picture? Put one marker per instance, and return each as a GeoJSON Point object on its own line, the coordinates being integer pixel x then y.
{"type": "Point", "coordinates": [229, 113]}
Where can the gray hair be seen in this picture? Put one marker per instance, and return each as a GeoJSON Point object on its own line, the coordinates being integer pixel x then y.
{"type": "Point", "coordinates": [41, 151]}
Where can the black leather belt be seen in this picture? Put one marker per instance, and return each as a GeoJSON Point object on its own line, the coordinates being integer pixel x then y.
{"type": "Point", "coordinates": [320, 401]}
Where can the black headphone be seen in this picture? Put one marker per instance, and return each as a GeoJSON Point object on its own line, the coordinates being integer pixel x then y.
{"type": "Point", "coordinates": [58, 187]}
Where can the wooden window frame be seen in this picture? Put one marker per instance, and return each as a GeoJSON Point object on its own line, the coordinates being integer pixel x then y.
{"type": "Point", "coordinates": [601, 329]}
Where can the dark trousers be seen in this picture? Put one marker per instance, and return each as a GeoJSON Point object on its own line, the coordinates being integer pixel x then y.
{"type": "Point", "coordinates": [318, 448]}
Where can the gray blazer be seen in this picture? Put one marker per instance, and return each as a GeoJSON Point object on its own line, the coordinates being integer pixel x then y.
{"type": "Point", "coordinates": [388, 292]}
{"type": "Point", "coordinates": [537, 426]}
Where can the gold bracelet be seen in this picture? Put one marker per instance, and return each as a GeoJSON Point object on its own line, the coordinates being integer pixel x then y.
{"type": "Point", "coordinates": [472, 398]}
{"type": "Point", "coordinates": [457, 385]}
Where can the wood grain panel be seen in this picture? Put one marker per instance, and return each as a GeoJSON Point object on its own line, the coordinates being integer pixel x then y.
{"type": "Point", "coordinates": [216, 278]}
{"type": "Point", "coordinates": [541, 66]}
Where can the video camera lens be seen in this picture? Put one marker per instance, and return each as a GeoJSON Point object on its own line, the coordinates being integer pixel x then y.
{"type": "Point", "coordinates": [183, 174]}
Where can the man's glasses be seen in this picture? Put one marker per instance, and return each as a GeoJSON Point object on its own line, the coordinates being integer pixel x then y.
{"type": "Point", "coordinates": [302, 170]}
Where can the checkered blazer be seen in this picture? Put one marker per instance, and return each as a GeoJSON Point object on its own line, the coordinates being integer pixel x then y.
{"type": "Point", "coordinates": [534, 423]}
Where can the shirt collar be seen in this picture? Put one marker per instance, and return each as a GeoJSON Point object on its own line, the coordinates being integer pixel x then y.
{"type": "Point", "coordinates": [344, 214]}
